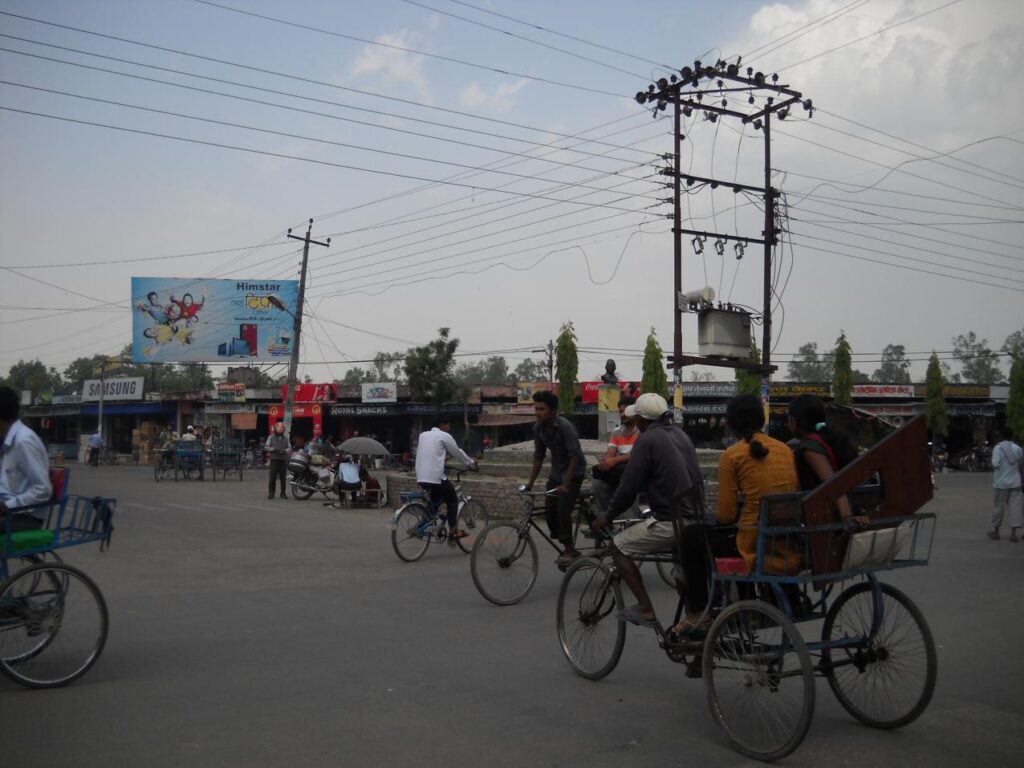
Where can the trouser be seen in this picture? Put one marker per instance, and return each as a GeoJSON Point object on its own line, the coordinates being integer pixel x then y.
{"type": "Point", "coordinates": [1007, 504]}
{"type": "Point", "coordinates": [277, 470]}
{"type": "Point", "coordinates": [558, 510]}
{"type": "Point", "coordinates": [603, 491]}
{"type": "Point", "coordinates": [444, 491]}
{"type": "Point", "coordinates": [94, 457]}
{"type": "Point", "coordinates": [694, 542]}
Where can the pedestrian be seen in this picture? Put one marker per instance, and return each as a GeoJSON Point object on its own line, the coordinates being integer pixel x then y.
{"type": "Point", "coordinates": [1006, 480]}
{"type": "Point", "coordinates": [95, 443]}
{"type": "Point", "coordinates": [278, 448]}
{"type": "Point", "coordinates": [24, 471]}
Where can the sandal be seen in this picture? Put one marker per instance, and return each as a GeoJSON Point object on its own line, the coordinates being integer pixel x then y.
{"type": "Point", "coordinates": [459, 534]}
{"type": "Point", "coordinates": [633, 615]}
{"type": "Point", "coordinates": [689, 628]}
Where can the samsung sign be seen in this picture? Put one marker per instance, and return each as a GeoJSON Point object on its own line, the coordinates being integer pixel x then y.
{"type": "Point", "coordinates": [113, 389]}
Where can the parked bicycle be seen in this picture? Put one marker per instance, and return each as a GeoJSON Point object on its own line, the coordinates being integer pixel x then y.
{"type": "Point", "coordinates": [419, 521]}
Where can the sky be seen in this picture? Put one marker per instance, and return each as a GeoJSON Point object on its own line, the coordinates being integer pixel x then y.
{"type": "Point", "coordinates": [482, 165]}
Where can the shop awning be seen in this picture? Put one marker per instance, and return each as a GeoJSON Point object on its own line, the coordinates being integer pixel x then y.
{"type": "Point", "coordinates": [130, 408]}
{"type": "Point", "coordinates": [504, 419]}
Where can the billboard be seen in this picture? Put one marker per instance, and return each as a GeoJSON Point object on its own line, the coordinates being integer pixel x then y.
{"type": "Point", "coordinates": [182, 320]}
{"type": "Point", "coordinates": [113, 389]}
{"type": "Point", "coordinates": [312, 393]}
{"type": "Point", "coordinates": [590, 390]}
{"type": "Point", "coordinates": [380, 392]}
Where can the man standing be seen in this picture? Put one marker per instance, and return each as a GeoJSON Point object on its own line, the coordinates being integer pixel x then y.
{"type": "Point", "coordinates": [25, 469]}
{"type": "Point", "coordinates": [1006, 478]}
{"type": "Point", "coordinates": [95, 444]}
{"type": "Point", "coordinates": [663, 463]}
{"type": "Point", "coordinates": [431, 450]}
{"type": "Point", "coordinates": [277, 447]}
{"type": "Point", "coordinates": [556, 434]}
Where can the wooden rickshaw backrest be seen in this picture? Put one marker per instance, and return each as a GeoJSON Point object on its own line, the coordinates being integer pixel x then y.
{"type": "Point", "coordinates": [901, 463]}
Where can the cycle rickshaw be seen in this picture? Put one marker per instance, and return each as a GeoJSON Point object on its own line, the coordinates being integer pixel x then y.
{"type": "Point", "coordinates": [876, 650]}
{"type": "Point", "coordinates": [227, 456]}
{"type": "Point", "coordinates": [53, 618]}
{"type": "Point", "coordinates": [189, 456]}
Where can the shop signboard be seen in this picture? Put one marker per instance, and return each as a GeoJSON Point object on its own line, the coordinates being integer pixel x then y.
{"type": "Point", "coordinates": [67, 399]}
{"type": "Point", "coordinates": [709, 389]}
{"type": "Point", "coordinates": [113, 389]}
{"type": "Point", "coordinates": [178, 320]}
{"type": "Point", "coordinates": [883, 390]}
{"type": "Point", "coordinates": [312, 393]}
{"type": "Point", "coordinates": [364, 410]}
{"type": "Point", "coordinates": [957, 390]}
{"type": "Point", "coordinates": [793, 390]}
{"type": "Point", "coordinates": [231, 393]}
{"type": "Point", "coordinates": [526, 389]}
{"type": "Point", "coordinates": [223, 408]}
{"type": "Point", "coordinates": [590, 391]}
{"type": "Point", "coordinates": [703, 408]}
{"type": "Point", "coordinates": [380, 392]}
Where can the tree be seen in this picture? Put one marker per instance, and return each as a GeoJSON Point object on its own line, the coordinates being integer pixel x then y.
{"type": "Point", "coordinates": [1015, 402]}
{"type": "Point", "coordinates": [531, 370]}
{"type": "Point", "coordinates": [387, 366]}
{"type": "Point", "coordinates": [895, 368]}
{"type": "Point", "coordinates": [429, 369]}
{"type": "Point", "coordinates": [978, 363]}
{"type": "Point", "coordinates": [842, 372]}
{"type": "Point", "coordinates": [33, 375]}
{"type": "Point", "coordinates": [355, 376]}
{"type": "Point", "coordinates": [567, 366]}
{"type": "Point", "coordinates": [1014, 345]}
{"type": "Point", "coordinates": [493, 370]}
{"type": "Point", "coordinates": [654, 379]}
{"type": "Point", "coordinates": [808, 366]}
{"type": "Point", "coordinates": [80, 370]}
{"type": "Point", "coordinates": [749, 382]}
{"type": "Point", "coordinates": [859, 377]}
{"type": "Point", "coordinates": [935, 410]}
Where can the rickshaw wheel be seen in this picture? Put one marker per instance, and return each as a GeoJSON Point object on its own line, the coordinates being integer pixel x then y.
{"type": "Point", "coordinates": [759, 680]}
{"type": "Point", "coordinates": [887, 679]}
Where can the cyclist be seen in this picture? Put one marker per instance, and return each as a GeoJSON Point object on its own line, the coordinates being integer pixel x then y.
{"type": "Point", "coordinates": [568, 466]}
{"type": "Point", "coordinates": [432, 448]}
{"type": "Point", "coordinates": [663, 463]}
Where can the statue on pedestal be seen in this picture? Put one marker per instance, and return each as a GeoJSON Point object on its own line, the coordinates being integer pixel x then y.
{"type": "Point", "coordinates": [609, 376]}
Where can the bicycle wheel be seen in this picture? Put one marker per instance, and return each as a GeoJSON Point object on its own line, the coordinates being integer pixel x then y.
{"type": "Point", "coordinates": [473, 520]}
{"type": "Point", "coordinates": [53, 626]}
{"type": "Point", "coordinates": [589, 628]}
{"type": "Point", "coordinates": [504, 563]}
{"type": "Point", "coordinates": [158, 470]}
{"type": "Point", "coordinates": [751, 650]}
{"type": "Point", "coordinates": [408, 538]}
{"type": "Point", "coordinates": [665, 571]}
{"type": "Point", "coordinates": [885, 679]}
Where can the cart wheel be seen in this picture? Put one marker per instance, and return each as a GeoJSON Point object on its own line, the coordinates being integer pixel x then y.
{"type": "Point", "coordinates": [751, 650]}
{"type": "Point", "coordinates": [665, 571]}
{"type": "Point", "coordinates": [53, 625]}
{"type": "Point", "coordinates": [887, 678]}
{"type": "Point", "coordinates": [408, 539]}
{"type": "Point", "coordinates": [589, 628]}
{"type": "Point", "coordinates": [472, 519]}
{"type": "Point", "coordinates": [504, 563]}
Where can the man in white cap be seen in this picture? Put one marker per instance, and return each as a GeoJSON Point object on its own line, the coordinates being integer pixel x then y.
{"type": "Point", "coordinates": [663, 463]}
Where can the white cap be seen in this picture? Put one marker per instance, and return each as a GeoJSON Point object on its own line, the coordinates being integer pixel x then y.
{"type": "Point", "coordinates": [190, 428]}
{"type": "Point", "coordinates": [629, 412]}
{"type": "Point", "coordinates": [651, 406]}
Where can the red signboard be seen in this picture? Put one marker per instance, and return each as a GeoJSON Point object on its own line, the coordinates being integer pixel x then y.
{"type": "Point", "coordinates": [312, 393]}
{"type": "Point", "coordinates": [314, 411]}
{"type": "Point", "coordinates": [589, 390]}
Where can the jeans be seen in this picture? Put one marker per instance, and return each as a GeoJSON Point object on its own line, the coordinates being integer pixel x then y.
{"type": "Point", "coordinates": [558, 510]}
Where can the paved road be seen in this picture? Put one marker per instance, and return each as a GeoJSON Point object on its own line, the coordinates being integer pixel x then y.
{"type": "Point", "coordinates": [249, 632]}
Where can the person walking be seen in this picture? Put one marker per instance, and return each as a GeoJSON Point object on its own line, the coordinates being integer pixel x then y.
{"type": "Point", "coordinates": [277, 447]}
{"type": "Point", "coordinates": [95, 444]}
{"type": "Point", "coordinates": [1006, 480]}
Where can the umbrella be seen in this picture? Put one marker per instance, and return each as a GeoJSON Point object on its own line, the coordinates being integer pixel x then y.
{"type": "Point", "coordinates": [363, 446]}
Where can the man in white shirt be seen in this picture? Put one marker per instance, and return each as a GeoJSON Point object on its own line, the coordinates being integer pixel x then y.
{"type": "Point", "coordinates": [431, 451]}
{"type": "Point", "coordinates": [1006, 475]}
{"type": "Point", "coordinates": [25, 472]}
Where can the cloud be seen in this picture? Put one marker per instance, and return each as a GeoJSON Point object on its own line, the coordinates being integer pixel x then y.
{"type": "Point", "coordinates": [501, 99]}
{"type": "Point", "coordinates": [393, 67]}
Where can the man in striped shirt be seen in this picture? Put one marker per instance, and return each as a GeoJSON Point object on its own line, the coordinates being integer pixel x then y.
{"type": "Point", "coordinates": [609, 469]}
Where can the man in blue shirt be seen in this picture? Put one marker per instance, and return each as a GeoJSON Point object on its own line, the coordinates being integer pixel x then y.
{"type": "Point", "coordinates": [25, 468]}
{"type": "Point", "coordinates": [95, 443]}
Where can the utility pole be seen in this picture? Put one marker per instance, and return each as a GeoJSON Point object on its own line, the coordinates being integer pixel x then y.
{"type": "Point", "coordinates": [293, 365]}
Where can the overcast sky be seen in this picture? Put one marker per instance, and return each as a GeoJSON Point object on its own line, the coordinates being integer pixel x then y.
{"type": "Point", "coordinates": [904, 226]}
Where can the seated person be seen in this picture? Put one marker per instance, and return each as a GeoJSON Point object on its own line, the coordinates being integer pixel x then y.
{"type": "Point", "coordinates": [24, 469]}
{"type": "Point", "coordinates": [754, 466]}
{"type": "Point", "coordinates": [316, 446]}
{"type": "Point", "coordinates": [348, 478]}
{"type": "Point", "coordinates": [609, 469]}
{"type": "Point", "coordinates": [664, 464]}
{"type": "Point", "coordinates": [372, 491]}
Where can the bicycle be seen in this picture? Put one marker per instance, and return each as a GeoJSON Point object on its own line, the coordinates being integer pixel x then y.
{"type": "Point", "coordinates": [420, 521]}
{"type": "Point", "coordinates": [164, 468]}
{"type": "Point", "coordinates": [109, 456]}
{"type": "Point", "coordinates": [53, 618]}
{"type": "Point", "coordinates": [504, 563]}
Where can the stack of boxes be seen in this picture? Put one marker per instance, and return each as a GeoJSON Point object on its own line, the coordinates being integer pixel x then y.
{"type": "Point", "coordinates": [144, 442]}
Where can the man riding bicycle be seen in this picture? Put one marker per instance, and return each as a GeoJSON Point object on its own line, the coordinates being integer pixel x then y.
{"type": "Point", "coordinates": [663, 463]}
{"type": "Point", "coordinates": [432, 448]}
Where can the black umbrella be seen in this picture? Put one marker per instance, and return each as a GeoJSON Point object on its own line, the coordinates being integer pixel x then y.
{"type": "Point", "coordinates": [363, 446]}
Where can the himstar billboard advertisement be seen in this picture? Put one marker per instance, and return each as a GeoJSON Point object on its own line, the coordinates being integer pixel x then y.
{"type": "Point", "coordinates": [183, 320]}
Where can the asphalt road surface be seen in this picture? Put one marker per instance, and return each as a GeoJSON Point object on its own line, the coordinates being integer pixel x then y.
{"type": "Point", "coordinates": [254, 632]}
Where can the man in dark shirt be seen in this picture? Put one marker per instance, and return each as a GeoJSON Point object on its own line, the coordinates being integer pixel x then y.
{"type": "Point", "coordinates": [556, 434]}
{"type": "Point", "coordinates": [663, 463]}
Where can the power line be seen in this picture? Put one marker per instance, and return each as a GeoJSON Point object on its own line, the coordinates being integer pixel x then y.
{"type": "Point", "coordinates": [141, 258]}
{"type": "Point", "coordinates": [796, 34]}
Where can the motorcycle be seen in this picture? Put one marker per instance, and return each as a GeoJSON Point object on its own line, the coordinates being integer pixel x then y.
{"type": "Point", "coordinates": [311, 474]}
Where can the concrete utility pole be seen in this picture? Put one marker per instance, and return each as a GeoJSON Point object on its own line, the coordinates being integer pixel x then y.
{"type": "Point", "coordinates": [293, 365]}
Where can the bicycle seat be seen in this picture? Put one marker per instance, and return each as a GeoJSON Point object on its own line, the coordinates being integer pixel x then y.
{"type": "Point", "coordinates": [407, 496]}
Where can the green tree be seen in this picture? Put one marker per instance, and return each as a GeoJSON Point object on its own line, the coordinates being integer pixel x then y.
{"type": "Point", "coordinates": [749, 382]}
{"type": "Point", "coordinates": [978, 363]}
{"type": "Point", "coordinates": [567, 366]}
{"type": "Point", "coordinates": [809, 366]}
{"type": "Point", "coordinates": [493, 370]}
{"type": "Point", "coordinates": [842, 372]}
{"type": "Point", "coordinates": [80, 370]}
{"type": "Point", "coordinates": [1015, 402]}
{"type": "Point", "coordinates": [1014, 344]}
{"type": "Point", "coordinates": [429, 369]}
{"type": "Point", "coordinates": [531, 370]}
{"type": "Point", "coordinates": [33, 375]}
{"type": "Point", "coordinates": [935, 410]}
{"type": "Point", "coordinates": [859, 377]}
{"type": "Point", "coordinates": [387, 366]}
{"type": "Point", "coordinates": [355, 376]}
{"type": "Point", "coordinates": [895, 368]}
{"type": "Point", "coordinates": [654, 379]}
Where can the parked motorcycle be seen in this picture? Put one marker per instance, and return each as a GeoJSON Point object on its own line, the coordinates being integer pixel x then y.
{"type": "Point", "coordinates": [311, 474]}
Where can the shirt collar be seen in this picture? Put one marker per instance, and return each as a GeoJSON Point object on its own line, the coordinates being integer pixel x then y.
{"type": "Point", "coordinates": [16, 427]}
